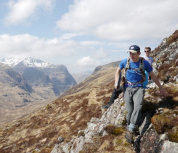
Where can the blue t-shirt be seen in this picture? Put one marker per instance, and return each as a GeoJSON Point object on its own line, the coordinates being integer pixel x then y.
{"type": "Point", "coordinates": [134, 74]}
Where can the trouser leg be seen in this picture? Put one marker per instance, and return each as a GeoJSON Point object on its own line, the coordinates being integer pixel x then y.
{"type": "Point", "coordinates": [129, 104]}
{"type": "Point", "coordinates": [138, 98]}
{"type": "Point", "coordinates": [115, 94]}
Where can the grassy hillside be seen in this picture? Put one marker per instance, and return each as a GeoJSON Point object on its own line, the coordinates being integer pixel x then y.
{"type": "Point", "coordinates": [63, 117]}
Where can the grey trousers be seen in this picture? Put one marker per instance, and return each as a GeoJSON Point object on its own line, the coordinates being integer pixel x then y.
{"type": "Point", "coordinates": [133, 98]}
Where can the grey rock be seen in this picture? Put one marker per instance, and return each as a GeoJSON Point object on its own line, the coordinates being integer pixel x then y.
{"type": "Point", "coordinates": [57, 149]}
{"type": "Point", "coordinates": [169, 147]}
{"type": "Point", "coordinates": [163, 137]}
{"type": "Point", "coordinates": [77, 145]}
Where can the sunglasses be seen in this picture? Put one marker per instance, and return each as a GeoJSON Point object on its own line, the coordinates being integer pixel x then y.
{"type": "Point", "coordinates": [147, 51]}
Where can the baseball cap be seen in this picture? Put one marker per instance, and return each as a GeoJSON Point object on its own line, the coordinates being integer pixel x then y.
{"type": "Point", "coordinates": [134, 49]}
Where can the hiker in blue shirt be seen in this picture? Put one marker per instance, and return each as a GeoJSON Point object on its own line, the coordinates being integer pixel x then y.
{"type": "Point", "coordinates": [133, 87]}
{"type": "Point", "coordinates": [119, 89]}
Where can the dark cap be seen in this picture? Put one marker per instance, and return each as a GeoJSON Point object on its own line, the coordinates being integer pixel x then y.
{"type": "Point", "coordinates": [134, 49]}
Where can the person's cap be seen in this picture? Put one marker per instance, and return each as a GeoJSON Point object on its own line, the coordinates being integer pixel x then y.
{"type": "Point", "coordinates": [134, 49]}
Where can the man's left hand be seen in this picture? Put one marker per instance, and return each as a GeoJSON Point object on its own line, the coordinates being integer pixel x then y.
{"type": "Point", "coordinates": [163, 92]}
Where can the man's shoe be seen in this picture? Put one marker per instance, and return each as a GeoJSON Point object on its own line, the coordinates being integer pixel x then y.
{"type": "Point", "coordinates": [136, 132]}
{"type": "Point", "coordinates": [129, 137]}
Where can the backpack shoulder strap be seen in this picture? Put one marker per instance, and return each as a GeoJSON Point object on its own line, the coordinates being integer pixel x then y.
{"type": "Point", "coordinates": [125, 70]}
{"type": "Point", "coordinates": [127, 66]}
{"type": "Point", "coordinates": [141, 66]}
{"type": "Point", "coordinates": [128, 63]}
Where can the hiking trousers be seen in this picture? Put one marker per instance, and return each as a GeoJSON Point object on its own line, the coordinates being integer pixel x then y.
{"type": "Point", "coordinates": [115, 94]}
{"type": "Point", "coordinates": [133, 98]}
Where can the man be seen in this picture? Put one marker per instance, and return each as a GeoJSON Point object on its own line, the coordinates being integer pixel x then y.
{"type": "Point", "coordinates": [133, 90]}
{"type": "Point", "coordinates": [147, 55]}
{"type": "Point", "coordinates": [117, 91]}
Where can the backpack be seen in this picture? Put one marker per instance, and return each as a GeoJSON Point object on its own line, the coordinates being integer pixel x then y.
{"type": "Point", "coordinates": [144, 73]}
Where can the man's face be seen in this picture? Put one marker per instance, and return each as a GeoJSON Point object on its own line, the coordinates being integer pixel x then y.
{"type": "Point", "coordinates": [147, 52]}
{"type": "Point", "coordinates": [134, 56]}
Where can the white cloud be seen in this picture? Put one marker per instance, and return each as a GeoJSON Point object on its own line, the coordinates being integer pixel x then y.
{"type": "Point", "coordinates": [56, 49]}
{"type": "Point", "coordinates": [70, 35]}
{"type": "Point", "coordinates": [86, 62]}
{"type": "Point", "coordinates": [90, 43]}
{"type": "Point", "coordinates": [23, 9]}
{"type": "Point", "coordinates": [27, 45]}
{"type": "Point", "coordinates": [90, 62]}
{"type": "Point", "coordinates": [100, 54]}
{"type": "Point", "coordinates": [122, 20]}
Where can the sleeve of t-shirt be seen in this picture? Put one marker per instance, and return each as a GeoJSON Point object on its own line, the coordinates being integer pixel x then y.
{"type": "Point", "coordinates": [148, 67]}
{"type": "Point", "coordinates": [122, 64]}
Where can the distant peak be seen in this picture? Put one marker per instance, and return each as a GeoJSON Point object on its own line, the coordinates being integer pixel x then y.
{"type": "Point", "coordinates": [10, 61]}
{"type": "Point", "coordinates": [33, 62]}
{"type": "Point", "coordinates": [28, 61]}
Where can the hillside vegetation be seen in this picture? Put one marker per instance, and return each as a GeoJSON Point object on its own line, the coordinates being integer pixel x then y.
{"type": "Point", "coordinates": [70, 113]}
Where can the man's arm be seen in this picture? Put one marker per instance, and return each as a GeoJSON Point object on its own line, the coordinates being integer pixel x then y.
{"type": "Point", "coordinates": [118, 71]}
{"type": "Point", "coordinates": [155, 79]}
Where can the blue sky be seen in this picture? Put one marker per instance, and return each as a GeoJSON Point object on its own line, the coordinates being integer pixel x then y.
{"type": "Point", "coordinates": [83, 34]}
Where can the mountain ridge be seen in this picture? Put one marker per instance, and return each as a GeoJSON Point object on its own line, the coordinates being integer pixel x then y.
{"type": "Point", "coordinates": [28, 61]}
{"type": "Point", "coordinates": [22, 87]}
{"type": "Point", "coordinates": [72, 113]}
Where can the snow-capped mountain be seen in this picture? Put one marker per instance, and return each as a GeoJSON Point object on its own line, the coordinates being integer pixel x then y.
{"type": "Point", "coordinates": [10, 61]}
{"type": "Point", "coordinates": [28, 62]}
{"type": "Point", "coordinates": [40, 74]}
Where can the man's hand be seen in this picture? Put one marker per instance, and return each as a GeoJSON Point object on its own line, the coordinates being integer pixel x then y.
{"type": "Point", "coordinates": [115, 86]}
{"type": "Point", "coordinates": [163, 92]}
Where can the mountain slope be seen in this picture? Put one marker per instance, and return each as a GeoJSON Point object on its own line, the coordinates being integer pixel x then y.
{"type": "Point", "coordinates": [166, 58]}
{"type": "Point", "coordinates": [41, 74]}
{"type": "Point", "coordinates": [71, 112]}
{"type": "Point", "coordinates": [16, 95]}
{"type": "Point", "coordinates": [79, 77]}
{"type": "Point", "coordinates": [106, 134]}
{"type": "Point", "coordinates": [28, 84]}
{"type": "Point", "coordinates": [64, 117]}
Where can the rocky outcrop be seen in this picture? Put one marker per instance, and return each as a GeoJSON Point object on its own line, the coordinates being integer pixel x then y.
{"type": "Point", "coordinates": [115, 116]}
{"type": "Point", "coordinates": [154, 143]}
{"type": "Point", "coordinates": [166, 58]}
{"type": "Point", "coordinates": [113, 122]}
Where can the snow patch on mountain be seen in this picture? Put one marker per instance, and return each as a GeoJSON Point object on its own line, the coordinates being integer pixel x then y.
{"type": "Point", "coordinates": [32, 62]}
{"type": "Point", "coordinates": [29, 62]}
{"type": "Point", "coordinates": [10, 61]}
